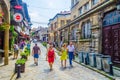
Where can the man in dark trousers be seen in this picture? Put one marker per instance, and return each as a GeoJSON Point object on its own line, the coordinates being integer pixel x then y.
{"type": "Point", "coordinates": [36, 52]}
{"type": "Point", "coordinates": [71, 52]}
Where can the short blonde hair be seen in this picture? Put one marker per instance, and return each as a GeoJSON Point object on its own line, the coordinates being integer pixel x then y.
{"type": "Point", "coordinates": [64, 44]}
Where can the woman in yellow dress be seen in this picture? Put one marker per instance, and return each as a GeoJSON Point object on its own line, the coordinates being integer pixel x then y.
{"type": "Point", "coordinates": [64, 55]}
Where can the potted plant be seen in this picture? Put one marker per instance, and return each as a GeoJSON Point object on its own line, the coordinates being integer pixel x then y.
{"type": "Point", "coordinates": [20, 62]}
{"type": "Point", "coordinates": [25, 54]}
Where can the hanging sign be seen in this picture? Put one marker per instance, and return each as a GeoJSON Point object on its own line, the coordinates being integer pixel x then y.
{"type": "Point", "coordinates": [18, 17]}
{"type": "Point", "coordinates": [18, 7]}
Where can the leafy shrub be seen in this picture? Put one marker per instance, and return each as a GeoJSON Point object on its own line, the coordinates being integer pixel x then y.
{"type": "Point", "coordinates": [25, 53]}
{"type": "Point", "coordinates": [21, 61]}
{"type": "Point", "coordinates": [44, 44]}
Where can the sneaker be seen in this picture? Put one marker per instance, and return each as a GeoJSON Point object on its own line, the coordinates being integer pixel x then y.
{"type": "Point", "coordinates": [71, 66]}
{"type": "Point", "coordinates": [36, 63]}
{"type": "Point", "coordinates": [65, 67]}
{"type": "Point", "coordinates": [51, 69]}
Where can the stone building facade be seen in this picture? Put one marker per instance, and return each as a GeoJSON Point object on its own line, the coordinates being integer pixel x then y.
{"type": "Point", "coordinates": [59, 21]}
{"type": "Point", "coordinates": [95, 27]}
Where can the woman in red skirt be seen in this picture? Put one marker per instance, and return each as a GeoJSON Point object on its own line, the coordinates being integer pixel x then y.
{"type": "Point", "coordinates": [50, 56]}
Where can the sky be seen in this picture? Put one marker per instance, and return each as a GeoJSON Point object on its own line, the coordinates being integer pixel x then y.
{"type": "Point", "coordinates": [41, 11]}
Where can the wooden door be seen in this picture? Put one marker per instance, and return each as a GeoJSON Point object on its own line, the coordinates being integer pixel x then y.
{"type": "Point", "coordinates": [106, 41]}
{"type": "Point", "coordinates": [116, 43]}
{"type": "Point", "coordinates": [111, 42]}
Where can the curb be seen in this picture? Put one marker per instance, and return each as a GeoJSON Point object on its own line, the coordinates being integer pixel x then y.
{"type": "Point", "coordinates": [12, 76]}
{"type": "Point", "coordinates": [117, 68]}
{"type": "Point", "coordinates": [2, 65]}
{"type": "Point", "coordinates": [98, 71]}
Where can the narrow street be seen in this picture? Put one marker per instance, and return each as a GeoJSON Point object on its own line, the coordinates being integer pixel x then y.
{"type": "Point", "coordinates": [90, 28]}
{"type": "Point", "coordinates": [41, 72]}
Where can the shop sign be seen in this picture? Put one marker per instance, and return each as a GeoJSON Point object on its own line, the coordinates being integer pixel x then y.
{"type": "Point", "coordinates": [18, 7]}
{"type": "Point", "coordinates": [18, 17]}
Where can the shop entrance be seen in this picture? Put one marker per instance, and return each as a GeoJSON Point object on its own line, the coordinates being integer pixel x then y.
{"type": "Point", "coordinates": [111, 36]}
{"type": "Point", "coordinates": [111, 42]}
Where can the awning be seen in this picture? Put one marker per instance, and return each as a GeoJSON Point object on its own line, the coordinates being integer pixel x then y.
{"type": "Point", "coordinates": [24, 35]}
{"type": "Point", "coordinates": [26, 23]}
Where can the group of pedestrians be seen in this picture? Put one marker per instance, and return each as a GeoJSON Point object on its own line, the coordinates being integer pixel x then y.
{"type": "Point", "coordinates": [67, 52]}
{"type": "Point", "coordinates": [18, 48]}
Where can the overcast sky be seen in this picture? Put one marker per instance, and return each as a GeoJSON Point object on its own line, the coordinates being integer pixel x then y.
{"type": "Point", "coordinates": [41, 11]}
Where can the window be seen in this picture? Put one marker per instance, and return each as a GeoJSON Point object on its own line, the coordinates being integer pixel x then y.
{"type": "Point", "coordinates": [73, 34]}
{"type": "Point", "coordinates": [55, 24]}
{"type": "Point", "coordinates": [74, 16]}
{"type": "Point", "coordinates": [81, 11]}
{"type": "Point", "coordinates": [62, 22]}
{"type": "Point", "coordinates": [86, 30]}
{"type": "Point", "coordinates": [94, 2]}
{"type": "Point", "coordinates": [86, 6]}
{"type": "Point", "coordinates": [74, 2]}
{"type": "Point", "coordinates": [68, 21]}
{"type": "Point", "coordinates": [51, 26]}
{"type": "Point", "coordinates": [111, 18]}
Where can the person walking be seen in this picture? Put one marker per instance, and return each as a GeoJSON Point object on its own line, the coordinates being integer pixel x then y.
{"type": "Point", "coordinates": [22, 44]}
{"type": "Point", "coordinates": [28, 47]}
{"type": "Point", "coordinates": [16, 51]}
{"type": "Point", "coordinates": [71, 50]}
{"type": "Point", "coordinates": [36, 52]}
{"type": "Point", "coordinates": [50, 56]}
{"type": "Point", "coordinates": [64, 55]}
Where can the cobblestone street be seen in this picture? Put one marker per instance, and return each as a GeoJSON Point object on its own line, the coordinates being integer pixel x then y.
{"type": "Point", "coordinates": [41, 72]}
{"type": "Point", "coordinates": [85, 31]}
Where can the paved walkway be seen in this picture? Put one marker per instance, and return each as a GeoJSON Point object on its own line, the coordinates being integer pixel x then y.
{"type": "Point", "coordinates": [41, 72]}
{"type": "Point", "coordinates": [7, 71]}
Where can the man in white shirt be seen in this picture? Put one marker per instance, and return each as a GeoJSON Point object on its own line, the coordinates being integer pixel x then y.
{"type": "Point", "coordinates": [71, 50]}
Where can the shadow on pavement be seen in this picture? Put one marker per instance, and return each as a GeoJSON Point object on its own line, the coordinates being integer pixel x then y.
{"type": "Point", "coordinates": [32, 65]}
{"type": "Point", "coordinates": [47, 70]}
{"type": "Point", "coordinates": [62, 69]}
